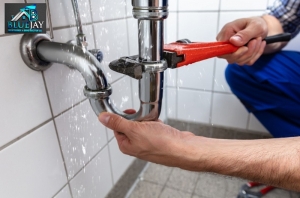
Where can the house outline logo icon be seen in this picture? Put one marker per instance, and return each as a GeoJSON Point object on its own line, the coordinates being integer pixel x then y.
{"type": "Point", "coordinates": [29, 11]}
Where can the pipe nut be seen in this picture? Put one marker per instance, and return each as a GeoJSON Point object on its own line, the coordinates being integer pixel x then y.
{"type": "Point", "coordinates": [97, 95]}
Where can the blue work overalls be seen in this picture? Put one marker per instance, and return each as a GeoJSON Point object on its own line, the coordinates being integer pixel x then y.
{"type": "Point", "coordinates": [270, 89]}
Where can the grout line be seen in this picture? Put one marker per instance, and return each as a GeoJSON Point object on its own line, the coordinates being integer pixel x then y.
{"type": "Point", "coordinates": [69, 26]}
{"type": "Point", "coordinates": [138, 179]}
{"type": "Point", "coordinates": [24, 134]}
{"type": "Point", "coordinates": [84, 24]}
{"type": "Point", "coordinates": [214, 74]}
{"type": "Point", "coordinates": [202, 90]}
{"type": "Point", "coordinates": [56, 131]}
{"type": "Point", "coordinates": [107, 139]}
{"type": "Point", "coordinates": [74, 105]}
{"type": "Point", "coordinates": [118, 79]}
{"type": "Point", "coordinates": [176, 73]}
{"type": "Point", "coordinates": [110, 161]}
{"type": "Point", "coordinates": [193, 193]}
{"type": "Point", "coordinates": [5, 35]}
{"type": "Point", "coordinates": [93, 28]}
{"type": "Point", "coordinates": [219, 10]}
{"type": "Point", "coordinates": [70, 190]}
{"type": "Point", "coordinates": [60, 190]}
{"type": "Point", "coordinates": [87, 163]}
{"type": "Point", "coordinates": [212, 92]}
{"type": "Point", "coordinates": [129, 52]}
{"type": "Point", "coordinates": [165, 184]}
{"type": "Point", "coordinates": [115, 19]}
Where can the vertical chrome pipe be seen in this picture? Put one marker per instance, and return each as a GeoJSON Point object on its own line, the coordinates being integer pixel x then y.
{"type": "Point", "coordinates": [150, 15]}
{"type": "Point", "coordinates": [81, 39]}
{"type": "Point", "coordinates": [150, 40]}
{"type": "Point", "coordinates": [77, 16]}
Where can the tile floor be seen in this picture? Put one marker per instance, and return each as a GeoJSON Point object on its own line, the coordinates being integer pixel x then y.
{"type": "Point", "coordinates": [157, 181]}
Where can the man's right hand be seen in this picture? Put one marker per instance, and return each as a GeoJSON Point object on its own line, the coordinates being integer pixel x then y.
{"type": "Point", "coordinates": [241, 32]}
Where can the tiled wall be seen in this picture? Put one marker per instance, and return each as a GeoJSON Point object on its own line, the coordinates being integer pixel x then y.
{"type": "Point", "coordinates": [51, 142]}
{"type": "Point", "coordinates": [199, 91]}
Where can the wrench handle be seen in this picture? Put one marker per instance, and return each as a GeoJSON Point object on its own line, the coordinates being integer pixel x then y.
{"type": "Point", "coordinates": [278, 38]}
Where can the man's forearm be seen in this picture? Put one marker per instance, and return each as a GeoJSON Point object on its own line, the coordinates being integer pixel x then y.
{"type": "Point", "coordinates": [270, 161]}
{"type": "Point", "coordinates": [274, 27]}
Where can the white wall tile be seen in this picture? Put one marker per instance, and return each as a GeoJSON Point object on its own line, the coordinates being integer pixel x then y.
{"type": "Point", "coordinates": [111, 38]}
{"type": "Point", "coordinates": [122, 94]}
{"type": "Point", "coordinates": [2, 12]}
{"type": "Point", "coordinates": [33, 166]}
{"type": "Point", "coordinates": [196, 5]}
{"type": "Point", "coordinates": [171, 106]}
{"type": "Point", "coordinates": [81, 136]}
{"type": "Point", "coordinates": [110, 134]}
{"type": "Point", "coordinates": [220, 83]}
{"type": "Point", "coordinates": [128, 8]}
{"type": "Point", "coordinates": [255, 125]}
{"type": "Point", "coordinates": [163, 115]}
{"type": "Point", "coordinates": [226, 17]}
{"type": "Point", "coordinates": [23, 102]}
{"type": "Point", "coordinates": [197, 76]}
{"type": "Point", "coordinates": [119, 161]}
{"type": "Point", "coordinates": [95, 179]}
{"type": "Point", "coordinates": [244, 5]}
{"type": "Point", "coordinates": [171, 77]}
{"type": "Point", "coordinates": [293, 45]}
{"type": "Point", "coordinates": [106, 10]}
{"type": "Point", "coordinates": [65, 85]}
{"type": "Point", "coordinates": [132, 25]}
{"type": "Point", "coordinates": [62, 13]}
{"type": "Point", "coordinates": [173, 5]}
{"type": "Point", "coordinates": [171, 28]}
{"type": "Point", "coordinates": [271, 2]}
{"type": "Point", "coordinates": [194, 106]}
{"type": "Point", "coordinates": [196, 27]}
{"type": "Point", "coordinates": [64, 193]}
{"type": "Point", "coordinates": [228, 111]}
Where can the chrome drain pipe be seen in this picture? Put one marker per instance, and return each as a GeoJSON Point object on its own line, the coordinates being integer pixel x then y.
{"type": "Point", "coordinates": [38, 52]}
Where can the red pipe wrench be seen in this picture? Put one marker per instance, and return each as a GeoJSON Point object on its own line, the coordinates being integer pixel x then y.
{"type": "Point", "coordinates": [246, 192]}
{"type": "Point", "coordinates": [185, 52]}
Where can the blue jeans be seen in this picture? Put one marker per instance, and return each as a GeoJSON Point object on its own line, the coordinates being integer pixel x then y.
{"type": "Point", "coordinates": [270, 89]}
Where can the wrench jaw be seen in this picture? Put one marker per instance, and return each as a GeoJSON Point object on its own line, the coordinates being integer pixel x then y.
{"type": "Point", "coordinates": [129, 66]}
{"type": "Point", "coordinates": [134, 67]}
{"type": "Point", "coordinates": [246, 192]}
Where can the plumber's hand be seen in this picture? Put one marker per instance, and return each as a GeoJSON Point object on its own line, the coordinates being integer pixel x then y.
{"type": "Point", "coordinates": [151, 141]}
{"type": "Point", "coordinates": [239, 33]}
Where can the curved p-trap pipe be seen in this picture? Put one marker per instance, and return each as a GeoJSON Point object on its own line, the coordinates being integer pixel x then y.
{"type": "Point", "coordinates": [38, 52]}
